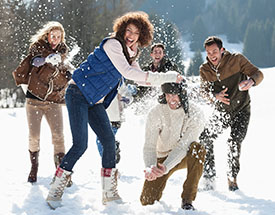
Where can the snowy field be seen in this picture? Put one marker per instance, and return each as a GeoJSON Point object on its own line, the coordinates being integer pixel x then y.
{"type": "Point", "coordinates": [256, 179]}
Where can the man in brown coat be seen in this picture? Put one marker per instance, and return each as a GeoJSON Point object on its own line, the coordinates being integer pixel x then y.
{"type": "Point", "coordinates": [225, 80]}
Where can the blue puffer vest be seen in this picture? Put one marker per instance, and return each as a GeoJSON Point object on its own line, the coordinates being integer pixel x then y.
{"type": "Point", "coordinates": [97, 77]}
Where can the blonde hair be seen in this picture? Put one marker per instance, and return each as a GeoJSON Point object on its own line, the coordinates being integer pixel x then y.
{"type": "Point", "coordinates": [141, 20]}
{"type": "Point", "coordinates": [42, 34]}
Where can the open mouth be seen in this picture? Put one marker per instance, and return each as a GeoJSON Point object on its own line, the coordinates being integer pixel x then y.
{"type": "Point", "coordinates": [214, 60]}
{"type": "Point", "coordinates": [128, 40]}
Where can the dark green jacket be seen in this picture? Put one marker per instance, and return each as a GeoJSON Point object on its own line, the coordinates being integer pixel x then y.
{"type": "Point", "coordinates": [233, 69]}
{"type": "Point", "coordinates": [165, 65]}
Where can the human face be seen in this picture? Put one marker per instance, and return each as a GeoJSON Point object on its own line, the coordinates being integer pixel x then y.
{"type": "Point", "coordinates": [173, 101]}
{"type": "Point", "coordinates": [157, 55]}
{"type": "Point", "coordinates": [214, 54]}
{"type": "Point", "coordinates": [131, 35]}
{"type": "Point", "coordinates": [54, 38]}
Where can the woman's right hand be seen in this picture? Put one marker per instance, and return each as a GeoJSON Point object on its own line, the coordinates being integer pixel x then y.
{"type": "Point", "coordinates": [179, 78]}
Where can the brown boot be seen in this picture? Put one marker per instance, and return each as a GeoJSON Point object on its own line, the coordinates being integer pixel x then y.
{"type": "Point", "coordinates": [232, 184]}
{"type": "Point", "coordinates": [34, 168]}
{"type": "Point", "coordinates": [57, 160]}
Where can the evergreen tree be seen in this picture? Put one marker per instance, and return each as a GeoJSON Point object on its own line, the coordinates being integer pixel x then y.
{"type": "Point", "coordinates": [258, 43]}
{"type": "Point", "coordinates": [195, 63]}
{"type": "Point", "coordinates": [251, 42]}
{"type": "Point", "coordinates": [273, 45]}
{"type": "Point", "coordinates": [167, 33]}
{"type": "Point", "coordinates": [198, 34]}
{"type": "Point", "coordinates": [5, 34]}
{"type": "Point", "coordinates": [13, 30]}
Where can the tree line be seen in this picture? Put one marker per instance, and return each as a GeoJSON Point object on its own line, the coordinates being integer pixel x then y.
{"type": "Point", "coordinates": [86, 23]}
{"type": "Point", "coordinates": [249, 21]}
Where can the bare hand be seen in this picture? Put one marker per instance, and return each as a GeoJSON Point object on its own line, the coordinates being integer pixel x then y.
{"type": "Point", "coordinates": [179, 78]}
{"type": "Point", "coordinates": [221, 96]}
{"type": "Point", "coordinates": [155, 172]}
{"type": "Point", "coordinates": [246, 85]}
{"type": "Point", "coordinates": [149, 176]}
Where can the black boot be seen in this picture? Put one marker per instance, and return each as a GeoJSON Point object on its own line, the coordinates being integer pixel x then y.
{"type": "Point", "coordinates": [187, 205]}
{"type": "Point", "coordinates": [117, 152]}
{"type": "Point", "coordinates": [232, 185]}
{"type": "Point", "coordinates": [34, 168]}
{"type": "Point", "coordinates": [57, 160]}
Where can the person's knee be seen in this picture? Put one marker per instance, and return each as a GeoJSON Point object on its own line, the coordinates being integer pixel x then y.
{"type": "Point", "coordinates": [197, 150]}
{"type": "Point", "coordinates": [145, 200]}
{"type": "Point", "coordinates": [80, 149]}
{"type": "Point", "coordinates": [150, 194]}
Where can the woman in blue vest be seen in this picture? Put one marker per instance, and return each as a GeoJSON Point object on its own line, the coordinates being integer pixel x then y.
{"type": "Point", "coordinates": [94, 85]}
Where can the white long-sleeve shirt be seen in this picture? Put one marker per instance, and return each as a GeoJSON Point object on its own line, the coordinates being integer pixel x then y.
{"type": "Point", "coordinates": [170, 133]}
{"type": "Point", "coordinates": [114, 51]}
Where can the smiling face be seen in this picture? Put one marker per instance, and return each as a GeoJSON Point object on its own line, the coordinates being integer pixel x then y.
{"type": "Point", "coordinates": [131, 35]}
{"type": "Point", "coordinates": [214, 54]}
{"type": "Point", "coordinates": [157, 54]}
{"type": "Point", "coordinates": [54, 38]}
{"type": "Point", "coordinates": [173, 101]}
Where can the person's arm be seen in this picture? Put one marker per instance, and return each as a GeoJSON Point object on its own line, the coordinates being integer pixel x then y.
{"type": "Point", "coordinates": [114, 51]}
{"type": "Point", "coordinates": [250, 70]}
{"type": "Point", "coordinates": [193, 129]}
{"type": "Point", "coordinates": [152, 130]}
{"type": "Point", "coordinates": [254, 74]}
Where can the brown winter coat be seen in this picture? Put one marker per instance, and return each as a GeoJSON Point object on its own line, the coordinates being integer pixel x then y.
{"type": "Point", "coordinates": [233, 69]}
{"type": "Point", "coordinates": [46, 82]}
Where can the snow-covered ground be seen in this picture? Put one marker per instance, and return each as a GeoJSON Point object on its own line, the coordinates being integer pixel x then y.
{"type": "Point", "coordinates": [256, 179]}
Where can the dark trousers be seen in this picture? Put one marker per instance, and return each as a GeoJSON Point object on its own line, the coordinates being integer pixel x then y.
{"type": "Point", "coordinates": [81, 114]}
{"type": "Point", "coordinates": [238, 123]}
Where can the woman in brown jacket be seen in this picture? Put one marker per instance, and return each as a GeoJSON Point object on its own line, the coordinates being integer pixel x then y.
{"type": "Point", "coordinates": [46, 75]}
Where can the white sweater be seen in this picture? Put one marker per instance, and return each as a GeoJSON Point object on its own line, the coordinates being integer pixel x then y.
{"type": "Point", "coordinates": [170, 133]}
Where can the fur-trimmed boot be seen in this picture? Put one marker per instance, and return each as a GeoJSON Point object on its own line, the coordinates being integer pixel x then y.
{"type": "Point", "coordinates": [57, 160]}
{"type": "Point", "coordinates": [109, 185]}
{"type": "Point", "coordinates": [34, 168]}
{"type": "Point", "coordinates": [232, 184]}
{"type": "Point", "coordinates": [60, 181]}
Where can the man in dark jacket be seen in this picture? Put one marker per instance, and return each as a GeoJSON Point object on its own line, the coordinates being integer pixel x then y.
{"type": "Point", "coordinates": [159, 63]}
{"type": "Point", "coordinates": [225, 80]}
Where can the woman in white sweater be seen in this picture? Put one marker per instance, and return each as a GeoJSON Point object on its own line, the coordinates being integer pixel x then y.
{"type": "Point", "coordinates": [172, 131]}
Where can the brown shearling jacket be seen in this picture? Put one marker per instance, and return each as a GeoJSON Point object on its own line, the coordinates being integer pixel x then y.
{"type": "Point", "coordinates": [233, 68]}
{"type": "Point", "coordinates": [46, 82]}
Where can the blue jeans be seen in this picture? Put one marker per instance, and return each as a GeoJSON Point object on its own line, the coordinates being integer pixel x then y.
{"type": "Point", "coordinates": [99, 145]}
{"type": "Point", "coordinates": [80, 115]}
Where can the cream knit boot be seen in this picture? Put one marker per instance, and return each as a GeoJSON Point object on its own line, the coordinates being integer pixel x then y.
{"type": "Point", "coordinates": [109, 185]}
{"type": "Point", "coordinates": [58, 185]}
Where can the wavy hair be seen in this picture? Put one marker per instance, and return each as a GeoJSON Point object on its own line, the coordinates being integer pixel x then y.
{"type": "Point", "coordinates": [140, 20]}
{"type": "Point", "coordinates": [42, 34]}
